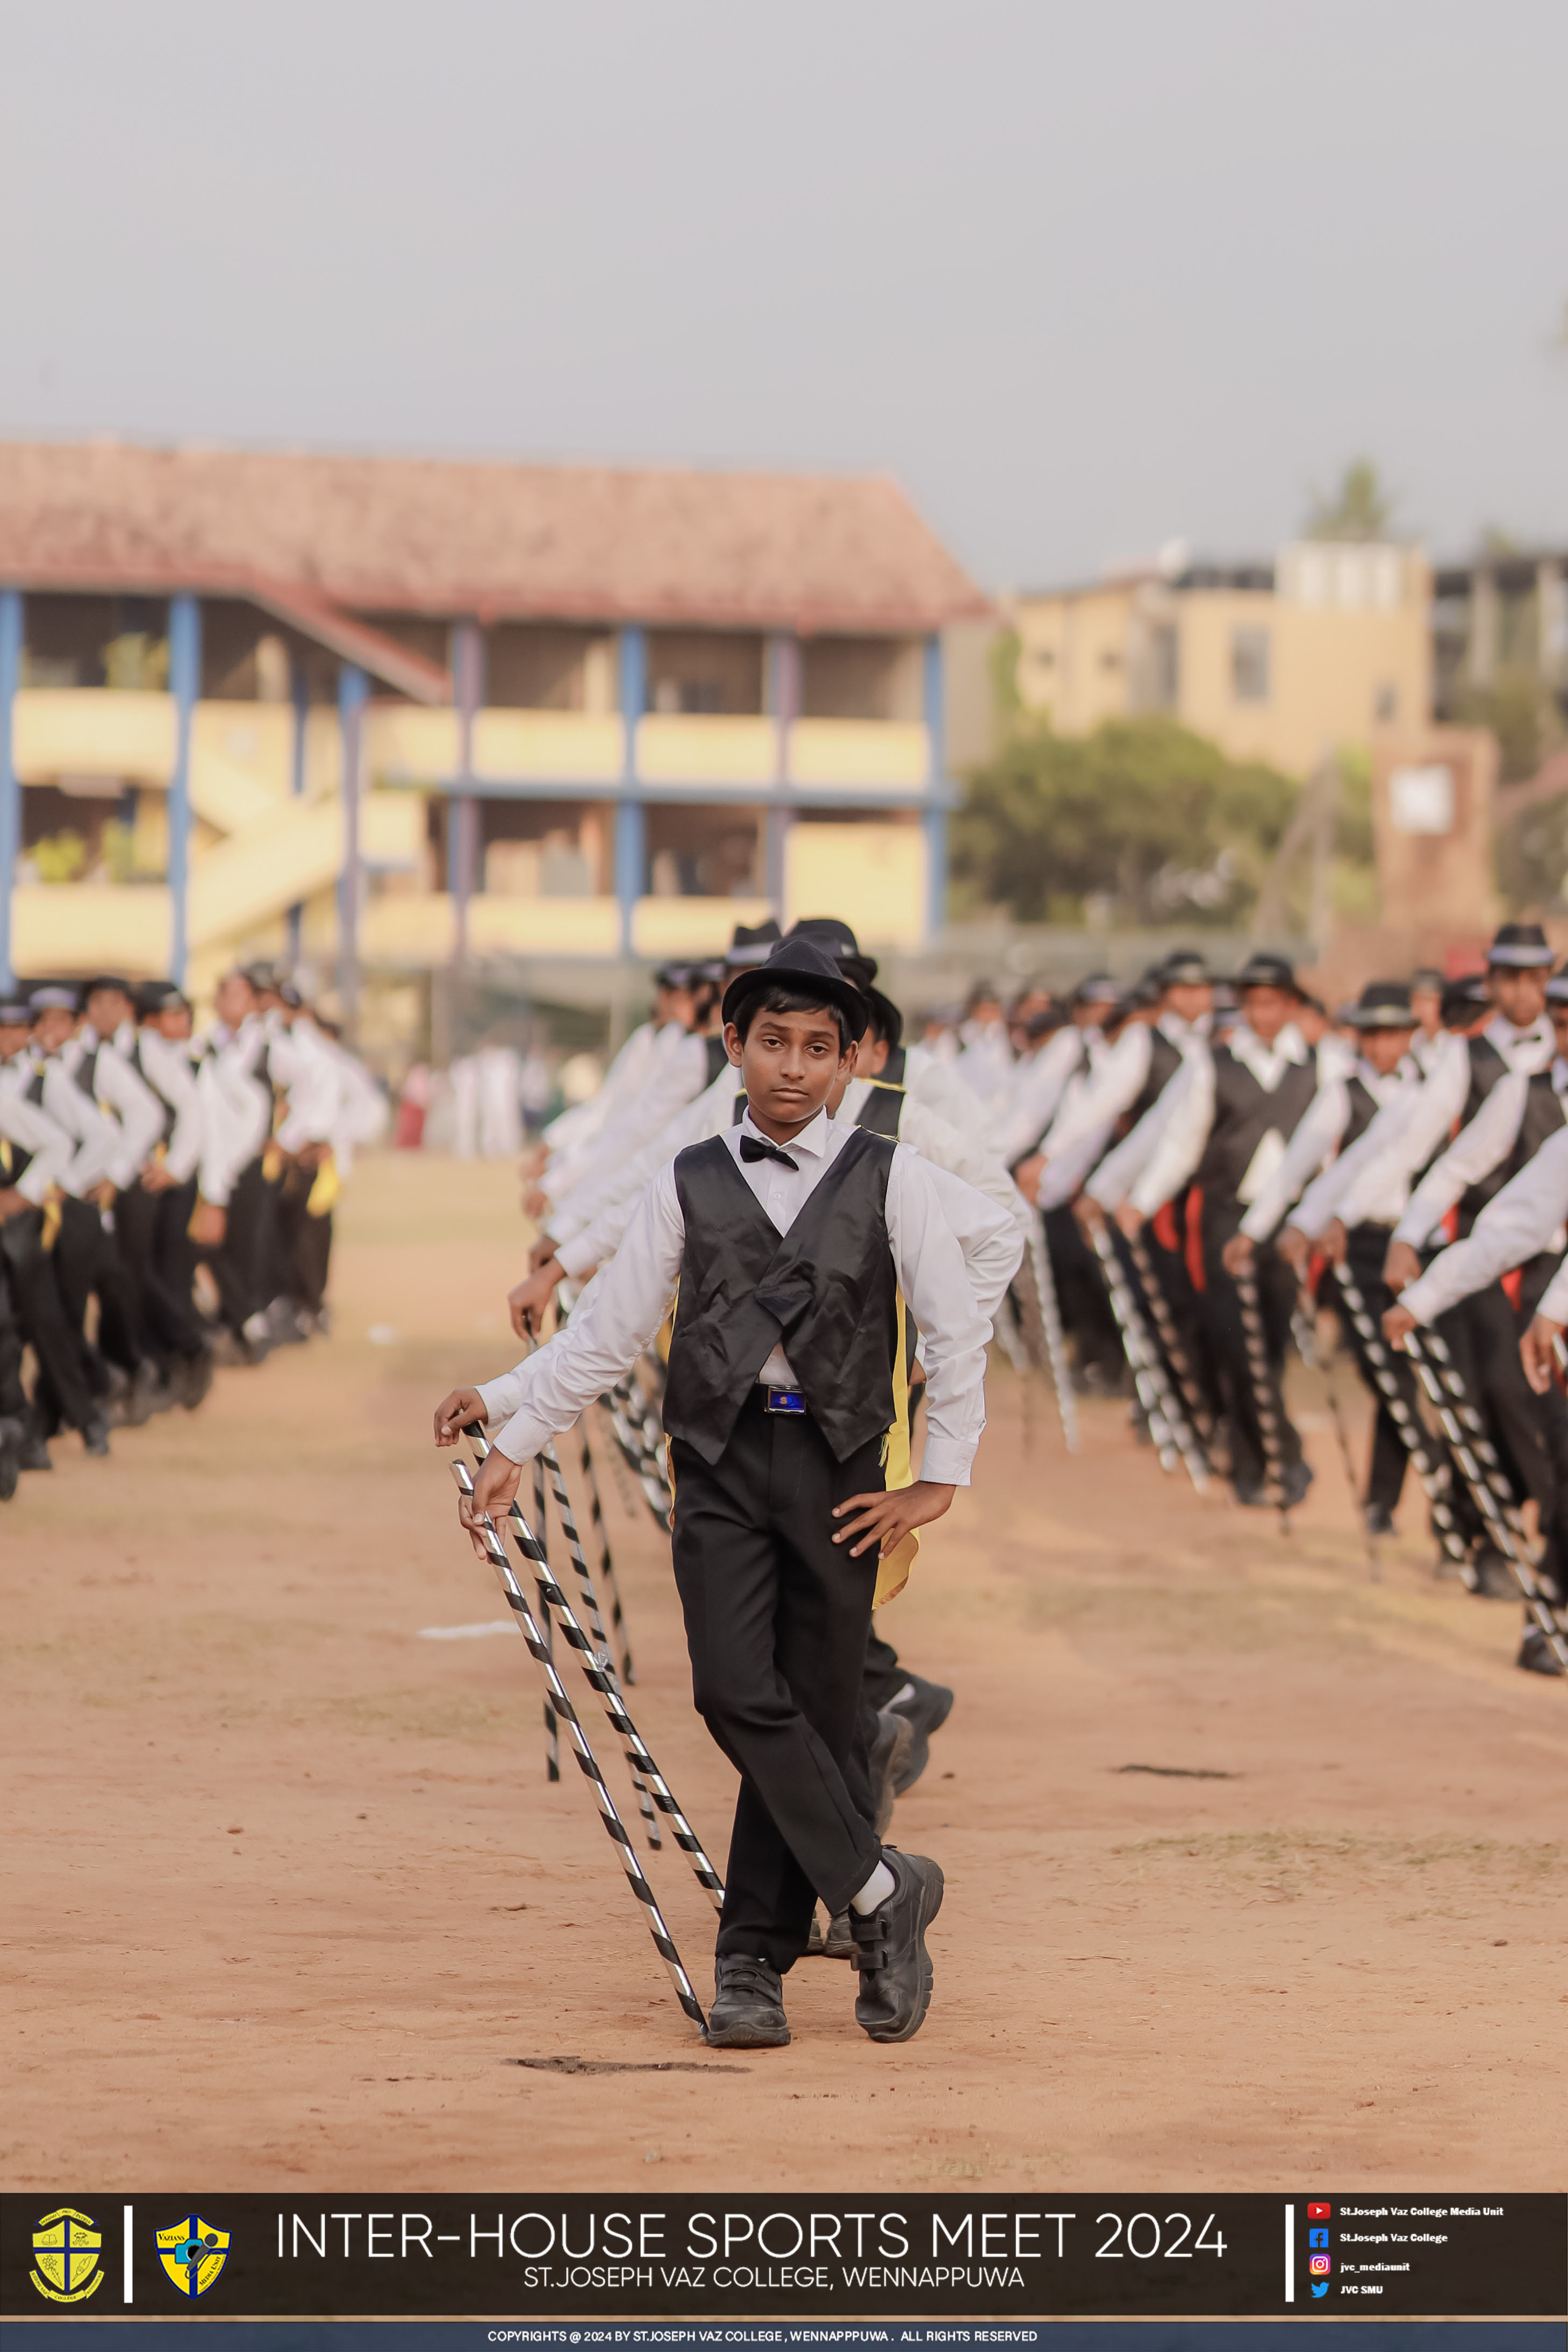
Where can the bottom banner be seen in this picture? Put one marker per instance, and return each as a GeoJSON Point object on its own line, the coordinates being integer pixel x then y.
{"type": "Point", "coordinates": [771, 2262]}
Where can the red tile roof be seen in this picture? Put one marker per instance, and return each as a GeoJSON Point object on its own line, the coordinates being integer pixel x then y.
{"type": "Point", "coordinates": [440, 537]}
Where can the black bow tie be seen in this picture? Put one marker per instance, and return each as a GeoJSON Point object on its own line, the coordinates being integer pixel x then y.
{"type": "Point", "coordinates": [752, 1147]}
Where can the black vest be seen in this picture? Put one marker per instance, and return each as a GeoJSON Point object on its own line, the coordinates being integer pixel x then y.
{"type": "Point", "coordinates": [1164, 1061]}
{"type": "Point", "coordinates": [883, 1109]}
{"type": "Point", "coordinates": [86, 1073]}
{"type": "Point", "coordinates": [893, 1068]}
{"type": "Point", "coordinates": [1542, 1116]}
{"type": "Point", "coordinates": [1244, 1111]}
{"type": "Point", "coordinates": [155, 1090]}
{"type": "Point", "coordinates": [825, 1291]}
{"type": "Point", "coordinates": [1364, 1109]}
{"type": "Point", "coordinates": [717, 1057]}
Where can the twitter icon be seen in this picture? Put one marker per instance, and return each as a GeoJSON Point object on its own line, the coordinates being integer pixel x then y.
{"type": "Point", "coordinates": [1320, 2288]}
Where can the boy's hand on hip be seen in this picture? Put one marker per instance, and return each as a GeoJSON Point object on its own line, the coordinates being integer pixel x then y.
{"type": "Point", "coordinates": [885, 1519]}
{"type": "Point", "coordinates": [454, 1412]}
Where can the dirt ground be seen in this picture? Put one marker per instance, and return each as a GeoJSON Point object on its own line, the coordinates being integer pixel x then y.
{"type": "Point", "coordinates": [1254, 1866]}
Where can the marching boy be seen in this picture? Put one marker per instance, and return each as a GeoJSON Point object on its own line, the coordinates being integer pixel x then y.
{"type": "Point", "coordinates": [796, 1242]}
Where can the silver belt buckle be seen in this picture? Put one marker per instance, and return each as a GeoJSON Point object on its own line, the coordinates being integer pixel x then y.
{"type": "Point", "coordinates": [783, 1401]}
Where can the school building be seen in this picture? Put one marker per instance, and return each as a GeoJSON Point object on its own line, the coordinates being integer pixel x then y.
{"type": "Point", "coordinates": [390, 715]}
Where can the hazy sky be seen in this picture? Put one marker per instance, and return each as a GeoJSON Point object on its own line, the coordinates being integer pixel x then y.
{"type": "Point", "coordinates": [1085, 278]}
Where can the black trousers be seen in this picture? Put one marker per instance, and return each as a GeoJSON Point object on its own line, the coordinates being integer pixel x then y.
{"type": "Point", "coordinates": [1367, 1247]}
{"type": "Point", "coordinates": [777, 1618]}
{"type": "Point", "coordinates": [63, 1393]}
{"type": "Point", "coordinates": [1184, 1302]}
{"type": "Point", "coordinates": [87, 1265]}
{"type": "Point", "coordinates": [1081, 1296]}
{"type": "Point", "coordinates": [304, 1241]}
{"type": "Point", "coordinates": [1227, 1349]}
{"type": "Point", "coordinates": [244, 1268]}
{"type": "Point", "coordinates": [150, 1232]}
{"type": "Point", "coordinates": [1529, 1431]}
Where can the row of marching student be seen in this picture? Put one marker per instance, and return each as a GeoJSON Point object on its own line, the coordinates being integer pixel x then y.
{"type": "Point", "coordinates": [180, 1184]}
{"type": "Point", "coordinates": [841, 1218]}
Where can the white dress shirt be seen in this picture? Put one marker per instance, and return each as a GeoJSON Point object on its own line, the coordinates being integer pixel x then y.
{"type": "Point", "coordinates": [1037, 1092]}
{"type": "Point", "coordinates": [1186, 1134]}
{"type": "Point", "coordinates": [123, 1096]}
{"type": "Point", "coordinates": [677, 1077]}
{"type": "Point", "coordinates": [1317, 1136]}
{"type": "Point", "coordinates": [95, 1136]}
{"type": "Point", "coordinates": [619, 1314]}
{"type": "Point", "coordinates": [165, 1064]}
{"type": "Point", "coordinates": [29, 1126]}
{"type": "Point", "coordinates": [1525, 1218]}
{"type": "Point", "coordinates": [1489, 1137]}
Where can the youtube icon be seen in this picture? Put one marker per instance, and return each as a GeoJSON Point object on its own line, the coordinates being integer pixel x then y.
{"type": "Point", "coordinates": [1319, 2213]}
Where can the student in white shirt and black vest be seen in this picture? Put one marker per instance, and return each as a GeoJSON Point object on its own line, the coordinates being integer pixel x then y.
{"type": "Point", "coordinates": [795, 1241]}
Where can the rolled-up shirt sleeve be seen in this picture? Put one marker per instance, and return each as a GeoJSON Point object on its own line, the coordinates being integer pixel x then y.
{"type": "Point", "coordinates": [615, 1319]}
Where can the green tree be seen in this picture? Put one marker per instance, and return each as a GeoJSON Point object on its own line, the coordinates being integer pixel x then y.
{"type": "Point", "coordinates": [1360, 508]}
{"type": "Point", "coordinates": [1142, 813]}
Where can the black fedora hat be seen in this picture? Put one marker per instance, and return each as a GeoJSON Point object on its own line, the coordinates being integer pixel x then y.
{"type": "Point", "coordinates": [54, 996]}
{"type": "Point", "coordinates": [752, 943]}
{"type": "Point", "coordinates": [1097, 988]}
{"type": "Point", "coordinates": [1521, 947]}
{"type": "Point", "coordinates": [1463, 999]}
{"type": "Point", "coordinates": [1186, 967]}
{"type": "Point", "coordinates": [1264, 971]}
{"type": "Point", "coordinates": [889, 1019]}
{"type": "Point", "coordinates": [1557, 989]}
{"type": "Point", "coordinates": [810, 970]}
{"type": "Point", "coordinates": [159, 996]}
{"type": "Point", "coordinates": [1382, 1004]}
{"type": "Point", "coordinates": [831, 932]}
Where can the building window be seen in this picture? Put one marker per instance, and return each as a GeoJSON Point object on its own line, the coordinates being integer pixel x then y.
{"type": "Point", "coordinates": [1249, 664]}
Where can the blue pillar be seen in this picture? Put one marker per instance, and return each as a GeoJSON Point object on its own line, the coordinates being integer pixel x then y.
{"type": "Point", "coordinates": [630, 829]}
{"type": "Point", "coordinates": [935, 817]}
{"type": "Point", "coordinates": [186, 686]}
{"type": "Point", "coordinates": [299, 696]}
{"type": "Point", "coordinates": [463, 818]}
{"type": "Point", "coordinates": [353, 692]}
{"type": "Point", "coordinates": [10, 790]}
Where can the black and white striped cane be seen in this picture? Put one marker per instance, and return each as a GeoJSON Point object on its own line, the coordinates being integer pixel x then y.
{"type": "Point", "coordinates": [1267, 1401]}
{"type": "Point", "coordinates": [615, 1827]}
{"type": "Point", "coordinates": [1169, 1425]}
{"type": "Point", "coordinates": [599, 1675]}
{"type": "Point", "coordinates": [1050, 1324]}
{"type": "Point", "coordinates": [629, 1438]}
{"type": "Point", "coordinates": [1483, 1475]}
{"type": "Point", "coordinates": [564, 1512]}
{"type": "Point", "coordinates": [1304, 1331]}
{"type": "Point", "coordinates": [1431, 1470]}
{"type": "Point", "coordinates": [552, 1734]}
{"type": "Point", "coordinates": [606, 1565]}
{"type": "Point", "coordinates": [1171, 1340]}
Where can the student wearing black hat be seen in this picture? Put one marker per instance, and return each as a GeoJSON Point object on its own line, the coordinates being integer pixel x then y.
{"type": "Point", "coordinates": [153, 1215]}
{"type": "Point", "coordinates": [1226, 1137]}
{"type": "Point", "coordinates": [792, 1238]}
{"type": "Point", "coordinates": [1383, 1078]}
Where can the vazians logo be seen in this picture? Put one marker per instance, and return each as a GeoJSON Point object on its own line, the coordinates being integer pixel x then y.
{"type": "Point", "coordinates": [193, 2253]}
{"type": "Point", "coordinates": [67, 2245]}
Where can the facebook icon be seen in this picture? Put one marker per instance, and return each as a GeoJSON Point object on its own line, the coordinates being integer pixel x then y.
{"type": "Point", "coordinates": [1317, 2237]}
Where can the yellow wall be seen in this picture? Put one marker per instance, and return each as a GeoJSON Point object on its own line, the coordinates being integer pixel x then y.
{"type": "Point", "coordinates": [1072, 657]}
{"type": "Point", "coordinates": [690, 927]}
{"type": "Point", "coordinates": [706, 750]}
{"type": "Point", "coordinates": [873, 874]}
{"type": "Point", "coordinates": [60, 731]}
{"type": "Point", "coordinates": [859, 752]}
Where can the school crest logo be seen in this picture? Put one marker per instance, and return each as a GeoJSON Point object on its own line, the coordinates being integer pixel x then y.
{"type": "Point", "coordinates": [66, 2245]}
{"type": "Point", "coordinates": [193, 2253]}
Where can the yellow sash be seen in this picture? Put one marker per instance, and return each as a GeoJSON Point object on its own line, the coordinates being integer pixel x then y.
{"type": "Point", "coordinates": [893, 1571]}
{"type": "Point", "coordinates": [324, 1192]}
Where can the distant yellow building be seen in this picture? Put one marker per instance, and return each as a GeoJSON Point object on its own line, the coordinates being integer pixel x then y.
{"type": "Point", "coordinates": [386, 713]}
{"type": "Point", "coordinates": [1286, 663]}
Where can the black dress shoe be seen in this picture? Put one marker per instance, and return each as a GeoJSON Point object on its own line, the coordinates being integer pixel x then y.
{"type": "Point", "coordinates": [11, 1434]}
{"type": "Point", "coordinates": [35, 1451]}
{"type": "Point", "coordinates": [95, 1434]}
{"type": "Point", "coordinates": [890, 1753]}
{"type": "Point", "coordinates": [748, 2011]}
{"type": "Point", "coordinates": [1536, 1654]}
{"type": "Point", "coordinates": [192, 1379]}
{"type": "Point", "coordinates": [927, 1708]}
{"type": "Point", "coordinates": [1378, 1519]}
{"type": "Point", "coordinates": [894, 1967]}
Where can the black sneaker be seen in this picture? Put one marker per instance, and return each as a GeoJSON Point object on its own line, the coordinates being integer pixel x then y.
{"type": "Point", "coordinates": [1536, 1654]}
{"type": "Point", "coordinates": [33, 1453]}
{"type": "Point", "coordinates": [894, 1967]}
{"type": "Point", "coordinates": [748, 2011]}
{"type": "Point", "coordinates": [926, 1705]}
{"type": "Point", "coordinates": [192, 1379]}
{"type": "Point", "coordinates": [95, 1434]}
{"type": "Point", "coordinates": [1490, 1576]}
{"type": "Point", "coordinates": [890, 1753]}
{"type": "Point", "coordinates": [838, 1944]}
{"type": "Point", "coordinates": [1378, 1519]}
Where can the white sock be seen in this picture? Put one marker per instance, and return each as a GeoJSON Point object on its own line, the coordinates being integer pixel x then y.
{"type": "Point", "coordinates": [877, 1889]}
